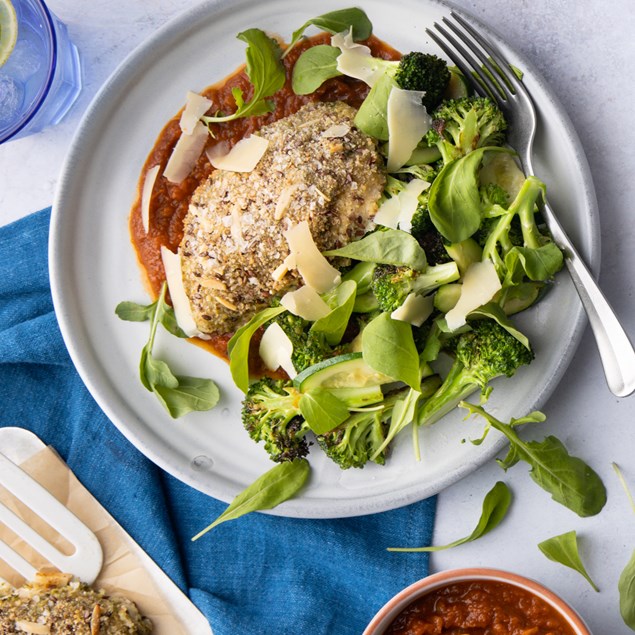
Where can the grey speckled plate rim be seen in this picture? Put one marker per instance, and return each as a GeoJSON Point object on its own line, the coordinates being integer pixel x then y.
{"type": "Point", "coordinates": [88, 367]}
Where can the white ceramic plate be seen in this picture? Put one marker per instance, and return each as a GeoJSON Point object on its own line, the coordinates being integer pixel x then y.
{"type": "Point", "coordinates": [93, 267]}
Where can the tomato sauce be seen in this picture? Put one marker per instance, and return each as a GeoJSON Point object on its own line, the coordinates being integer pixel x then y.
{"type": "Point", "coordinates": [481, 607]}
{"type": "Point", "coordinates": [170, 201]}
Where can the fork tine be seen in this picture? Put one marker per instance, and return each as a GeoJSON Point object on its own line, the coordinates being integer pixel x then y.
{"type": "Point", "coordinates": [486, 83]}
{"type": "Point", "coordinates": [501, 64]}
{"type": "Point", "coordinates": [458, 62]}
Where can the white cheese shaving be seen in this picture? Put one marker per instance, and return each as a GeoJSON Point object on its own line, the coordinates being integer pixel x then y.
{"type": "Point", "coordinates": [336, 130]}
{"type": "Point", "coordinates": [276, 349]}
{"type": "Point", "coordinates": [195, 107]}
{"type": "Point", "coordinates": [186, 153]}
{"type": "Point", "coordinates": [415, 310]}
{"type": "Point", "coordinates": [314, 268]}
{"type": "Point", "coordinates": [397, 212]}
{"type": "Point", "coordinates": [480, 284]}
{"type": "Point", "coordinates": [282, 204]}
{"type": "Point", "coordinates": [306, 303]}
{"type": "Point", "coordinates": [32, 628]}
{"type": "Point", "coordinates": [146, 196]}
{"type": "Point", "coordinates": [180, 301]}
{"type": "Point", "coordinates": [355, 60]}
{"type": "Point", "coordinates": [408, 120]}
{"type": "Point", "coordinates": [243, 157]}
{"type": "Point", "coordinates": [235, 226]}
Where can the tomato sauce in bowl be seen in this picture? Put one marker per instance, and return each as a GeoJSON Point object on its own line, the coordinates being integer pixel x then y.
{"type": "Point", "coordinates": [476, 602]}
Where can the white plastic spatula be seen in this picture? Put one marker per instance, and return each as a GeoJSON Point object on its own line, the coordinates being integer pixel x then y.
{"type": "Point", "coordinates": [86, 558]}
{"type": "Point", "coordinates": [85, 562]}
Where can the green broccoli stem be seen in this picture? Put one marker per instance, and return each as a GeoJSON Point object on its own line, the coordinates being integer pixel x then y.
{"type": "Point", "coordinates": [524, 205]}
{"type": "Point", "coordinates": [457, 386]}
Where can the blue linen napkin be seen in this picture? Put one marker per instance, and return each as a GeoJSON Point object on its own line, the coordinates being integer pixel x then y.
{"type": "Point", "coordinates": [261, 574]}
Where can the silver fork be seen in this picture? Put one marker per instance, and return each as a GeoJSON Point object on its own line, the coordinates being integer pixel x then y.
{"type": "Point", "coordinates": [491, 75]}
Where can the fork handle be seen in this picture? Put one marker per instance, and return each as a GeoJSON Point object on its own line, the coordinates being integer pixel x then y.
{"type": "Point", "coordinates": [615, 348]}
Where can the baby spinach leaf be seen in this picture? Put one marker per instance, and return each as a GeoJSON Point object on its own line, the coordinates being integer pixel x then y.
{"type": "Point", "coordinates": [190, 394]}
{"type": "Point", "coordinates": [178, 395]}
{"type": "Point", "coordinates": [495, 506]}
{"type": "Point", "coordinates": [563, 549]}
{"type": "Point", "coordinates": [387, 247]}
{"type": "Point", "coordinates": [537, 264]}
{"type": "Point", "coordinates": [277, 485]}
{"type": "Point", "coordinates": [388, 347]}
{"type": "Point", "coordinates": [362, 275]}
{"type": "Point", "coordinates": [322, 410]}
{"type": "Point", "coordinates": [372, 116]}
{"type": "Point", "coordinates": [334, 324]}
{"type": "Point", "coordinates": [238, 346]}
{"type": "Point", "coordinates": [626, 588]}
{"type": "Point", "coordinates": [133, 312]}
{"type": "Point", "coordinates": [313, 68]}
{"type": "Point", "coordinates": [569, 480]}
{"type": "Point", "coordinates": [336, 22]}
{"type": "Point", "coordinates": [266, 74]}
{"type": "Point", "coordinates": [454, 201]}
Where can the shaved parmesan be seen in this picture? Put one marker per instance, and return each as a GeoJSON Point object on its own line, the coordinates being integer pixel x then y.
{"type": "Point", "coordinates": [314, 268]}
{"type": "Point", "coordinates": [243, 157]}
{"type": "Point", "coordinates": [282, 204]}
{"type": "Point", "coordinates": [195, 107]}
{"type": "Point", "coordinates": [186, 153]}
{"type": "Point", "coordinates": [397, 212]}
{"type": "Point", "coordinates": [336, 130]}
{"type": "Point", "coordinates": [480, 285]}
{"type": "Point", "coordinates": [408, 120]}
{"type": "Point", "coordinates": [355, 60]}
{"type": "Point", "coordinates": [276, 350]}
{"type": "Point", "coordinates": [146, 196]}
{"type": "Point", "coordinates": [415, 310]}
{"type": "Point", "coordinates": [180, 301]}
{"type": "Point", "coordinates": [306, 303]}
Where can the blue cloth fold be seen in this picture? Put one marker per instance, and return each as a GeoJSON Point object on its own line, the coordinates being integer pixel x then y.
{"type": "Point", "coordinates": [261, 574]}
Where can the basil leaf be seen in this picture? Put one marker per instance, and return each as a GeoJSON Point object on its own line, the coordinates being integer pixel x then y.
{"type": "Point", "coordinates": [336, 22]}
{"type": "Point", "coordinates": [266, 74]}
{"type": "Point", "coordinates": [334, 324]}
{"type": "Point", "coordinates": [372, 116]}
{"type": "Point", "coordinates": [277, 485]}
{"type": "Point", "coordinates": [238, 346]}
{"type": "Point", "coordinates": [495, 506]}
{"type": "Point", "coordinates": [388, 347]}
{"type": "Point", "coordinates": [322, 410]}
{"type": "Point", "coordinates": [133, 312]}
{"type": "Point", "coordinates": [563, 549]}
{"type": "Point", "coordinates": [454, 200]}
{"type": "Point", "coordinates": [537, 264]}
{"type": "Point", "coordinates": [494, 312]}
{"type": "Point", "coordinates": [386, 247]}
{"type": "Point", "coordinates": [313, 68]}
{"type": "Point", "coordinates": [626, 588]}
{"type": "Point", "coordinates": [569, 480]}
{"type": "Point", "coordinates": [190, 394]}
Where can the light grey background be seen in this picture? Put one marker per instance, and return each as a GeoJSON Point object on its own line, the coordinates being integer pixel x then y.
{"type": "Point", "coordinates": [585, 50]}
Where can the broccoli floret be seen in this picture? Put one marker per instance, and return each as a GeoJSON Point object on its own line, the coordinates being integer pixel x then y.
{"type": "Point", "coordinates": [428, 236]}
{"type": "Point", "coordinates": [481, 354]}
{"type": "Point", "coordinates": [354, 442]}
{"type": "Point", "coordinates": [425, 72]}
{"type": "Point", "coordinates": [392, 284]}
{"type": "Point", "coordinates": [271, 413]}
{"type": "Point", "coordinates": [516, 227]}
{"type": "Point", "coordinates": [462, 125]}
{"type": "Point", "coordinates": [309, 347]}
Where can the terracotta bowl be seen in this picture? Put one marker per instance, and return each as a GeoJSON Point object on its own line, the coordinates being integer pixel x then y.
{"type": "Point", "coordinates": [397, 604]}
